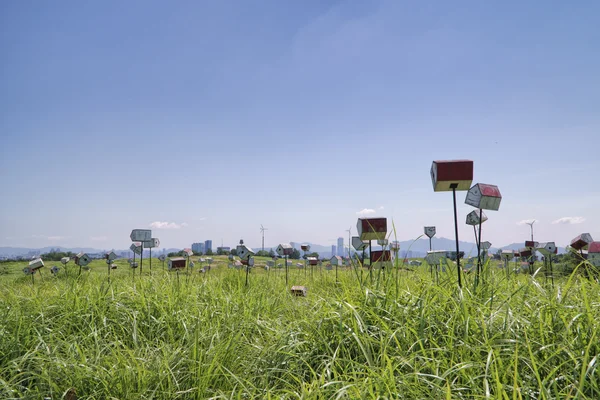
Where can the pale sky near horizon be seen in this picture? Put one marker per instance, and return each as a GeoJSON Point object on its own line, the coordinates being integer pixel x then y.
{"type": "Point", "coordinates": [207, 119]}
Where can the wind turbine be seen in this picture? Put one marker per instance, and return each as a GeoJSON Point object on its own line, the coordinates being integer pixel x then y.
{"type": "Point", "coordinates": [531, 226]}
{"type": "Point", "coordinates": [262, 230]}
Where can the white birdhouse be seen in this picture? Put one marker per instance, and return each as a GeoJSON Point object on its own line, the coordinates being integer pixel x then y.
{"type": "Point", "coordinates": [359, 245]}
{"type": "Point", "coordinates": [547, 248]}
{"type": "Point", "coordinates": [429, 231]}
{"type": "Point", "coordinates": [140, 235]}
{"type": "Point", "coordinates": [371, 228]}
{"type": "Point", "coordinates": [594, 253]}
{"type": "Point", "coordinates": [251, 261]}
{"type": "Point", "coordinates": [582, 241]}
{"type": "Point", "coordinates": [162, 257]}
{"type": "Point", "coordinates": [436, 257]}
{"type": "Point", "coordinates": [188, 252]}
{"type": "Point", "coordinates": [113, 266]}
{"type": "Point", "coordinates": [82, 259]}
{"type": "Point", "coordinates": [36, 264]}
{"type": "Point", "coordinates": [65, 260]}
{"type": "Point", "coordinates": [244, 252]}
{"type": "Point", "coordinates": [299, 291]}
{"type": "Point", "coordinates": [395, 245]}
{"type": "Point", "coordinates": [176, 263]}
{"type": "Point", "coordinates": [284, 249]}
{"type": "Point", "coordinates": [336, 260]}
{"type": "Point", "coordinates": [485, 245]}
{"type": "Point", "coordinates": [507, 254]}
{"type": "Point", "coordinates": [110, 256]}
{"type": "Point", "coordinates": [446, 175]}
{"type": "Point", "coordinates": [483, 196]}
{"type": "Point", "coordinates": [136, 249]}
{"type": "Point", "coordinates": [473, 217]}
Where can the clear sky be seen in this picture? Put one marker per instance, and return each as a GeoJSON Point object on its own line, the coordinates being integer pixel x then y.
{"type": "Point", "coordinates": [209, 118]}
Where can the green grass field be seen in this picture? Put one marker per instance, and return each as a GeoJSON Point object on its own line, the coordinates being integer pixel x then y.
{"type": "Point", "coordinates": [210, 336]}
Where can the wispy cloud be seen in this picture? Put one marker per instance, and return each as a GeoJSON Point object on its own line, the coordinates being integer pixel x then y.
{"type": "Point", "coordinates": [167, 225]}
{"type": "Point", "coordinates": [526, 221]}
{"type": "Point", "coordinates": [99, 238]}
{"type": "Point", "coordinates": [569, 220]}
{"type": "Point", "coordinates": [54, 238]}
{"type": "Point", "coordinates": [365, 211]}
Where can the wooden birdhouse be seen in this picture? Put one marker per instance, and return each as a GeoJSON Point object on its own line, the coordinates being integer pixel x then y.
{"type": "Point", "coordinates": [483, 196]}
{"type": "Point", "coordinates": [372, 228]}
{"type": "Point", "coordinates": [82, 259]}
{"type": "Point", "coordinates": [383, 257]}
{"type": "Point", "coordinates": [152, 243]}
{"type": "Point", "coordinates": [284, 249]}
{"type": "Point", "coordinates": [582, 241]}
{"type": "Point", "coordinates": [136, 249]}
{"type": "Point", "coordinates": [299, 291]}
{"type": "Point", "coordinates": [429, 231]}
{"type": "Point", "coordinates": [451, 174]}
{"type": "Point", "coordinates": [507, 254]}
{"type": "Point", "coordinates": [176, 263]}
{"type": "Point", "coordinates": [36, 264]}
{"type": "Point", "coordinates": [244, 252]}
{"type": "Point", "coordinates": [305, 247]}
{"type": "Point", "coordinates": [140, 235]}
{"type": "Point", "coordinates": [188, 252]}
{"type": "Point", "coordinates": [65, 260]}
{"type": "Point", "coordinates": [110, 256]}
{"type": "Point", "coordinates": [336, 260]}
{"type": "Point", "coordinates": [473, 217]}
{"type": "Point", "coordinates": [312, 260]}
{"type": "Point", "coordinates": [547, 248]}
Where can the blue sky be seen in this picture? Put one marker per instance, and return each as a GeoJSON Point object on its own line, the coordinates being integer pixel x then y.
{"type": "Point", "coordinates": [212, 118]}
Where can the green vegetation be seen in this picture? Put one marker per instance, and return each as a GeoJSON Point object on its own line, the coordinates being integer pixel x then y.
{"type": "Point", "coordinates": [209, 336]}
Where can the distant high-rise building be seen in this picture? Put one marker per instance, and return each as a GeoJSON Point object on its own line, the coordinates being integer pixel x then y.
{"type": "Point", "coordinates": [333, 253]}
{"type": "Point", "coordinates": [207, 245]}
{"type": "Point", "coordinates": [198, 247]}
{"type": "Point", "coordinates": [340, 247]}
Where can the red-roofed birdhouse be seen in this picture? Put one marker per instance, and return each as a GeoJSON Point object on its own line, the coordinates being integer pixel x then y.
{"type": "Point", "coordinates": [451, 174]}
{"type": "Point", "coordinates": [486, 197]}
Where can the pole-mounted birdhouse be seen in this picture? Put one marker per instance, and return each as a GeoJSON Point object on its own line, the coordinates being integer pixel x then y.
{"type": "Point", "coordinates": [372, 228]}
{"type": "Point", "coordinates": [429, 231]}
{"type": "Point", "coordinates": [140, 235]}
{"type": "Point", "coordinates": [484, 196]}
{"type": "Point", "coordinates": [473, 217]}
{"type": "Point", "coordinates": [582, 241]}
{"type": "Point", "coordinates": [451, 174]}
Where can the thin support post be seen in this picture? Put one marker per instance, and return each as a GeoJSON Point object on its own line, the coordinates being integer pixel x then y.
{"type": "Point", "coordinates": [456, 236]}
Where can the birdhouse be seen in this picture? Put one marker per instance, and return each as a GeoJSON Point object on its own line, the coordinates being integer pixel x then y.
{"type": "Point", "coordinates": [251, 261]}
{"type": "Point", "coordinates": [133, 265]}
{"type": "Point", "coordinates": [28, 271]}
{"type": "Point", "coordinates": [191, 264]}
{"type": "Point", "coordinates": [299, 291]}
{"type": "Point", "coordinates": [525, 252]}
{"type": "Point", "coordinates": [547, 248]}
{"type": "Point", "coordinates": [188, 252]}
{"type": "Point", "coordinates": [65, 260]}
{"type": "Point", "coordinates": [395, 246]}
{"type": "Point", "coordinates": [473, 217]}
{"type": "Point", "coordinates": [359, 244]}
{"type": "Point", "coordinates": [140, 235]}
{"type": "Point", "coordinates": [485, 245]}
{"type": "Point", "coordinates": [110, 256]}
{"type": "Point", "coordinates": [531, 245]}
{"type": "Point", "coordinates": [176, 263]}
{"type": "Point", "coordinates": [582, 241]}
{"type": "Point", "coordinates": [372, 228]}
{"type": "Point", "coordinates": [244, 252]}
{"type": "Point", "coordinates": [436, 257]}
{"type": "Point", "coordinates": [382, 242]}
{"type": "Point", "coordinates": [136, 249]}
{"type": "Point", "coordinates": [380, 256]}
{"type": "Point", "coordinates": [82, 259]}
{"type": "Point", "coordinates": [305, 247]}
{"type": "Point", "coordinates": [54, 270]}
{"type": "Point", "coordinates": [336, 260]}
{"type": "Point", "coordinates": [594, 253]}
{"type": "Point", "coordinates": [451, 174]}
{"type": "Point", "coordinates": [312, 260]}
{"type": "Point", "coordinates": [162, 257]}
{"type": "Point", "coordinates": [284, 249]}
{"type": "Point", "coordinates": [483, 196]}
{"type": "Point", "coordinates": [299, 265]}
{"type": "Point", "coordinates": [152, 243]}
{"type": "Point", "coordinates": [113, 266]}
{"type": "Point", "coordinates": [429, 231]}
{"type": "Point", "coordinates": [36, 264]}
{"type": "Point", "coordinates": [507, 254]}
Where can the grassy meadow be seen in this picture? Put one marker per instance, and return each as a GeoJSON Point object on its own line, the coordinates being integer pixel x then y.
{"type": "Point", "coordinates": [396, 334]}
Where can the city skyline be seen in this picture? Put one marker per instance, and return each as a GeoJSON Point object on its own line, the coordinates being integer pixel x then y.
{"type": "Point", "coordinates": [107, 125]}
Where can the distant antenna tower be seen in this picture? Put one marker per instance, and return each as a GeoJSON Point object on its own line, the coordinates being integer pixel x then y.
{"type": "Point", "coordinates": [262, 230]}
{"type": "Point", "coordinates": [349, 230]}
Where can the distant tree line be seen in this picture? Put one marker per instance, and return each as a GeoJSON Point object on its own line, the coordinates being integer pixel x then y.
{"type": "Point", "coordinates": [57, 255]}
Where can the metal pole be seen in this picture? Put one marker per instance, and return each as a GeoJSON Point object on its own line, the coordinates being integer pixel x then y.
{"type": "Point", "coordinates": [286, 271]}
{"type": "Point", "coordinates": [479, 266]}
{"type": "Point", "coordinates": [141, 257]}
{"type": "Point", "coordinates": [456, 236]}
{"type": "Point", "coordinates": [150, 260]}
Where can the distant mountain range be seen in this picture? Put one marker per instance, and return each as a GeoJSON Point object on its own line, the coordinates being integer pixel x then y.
{"type": "Point", "coordinates": [418, 248]}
